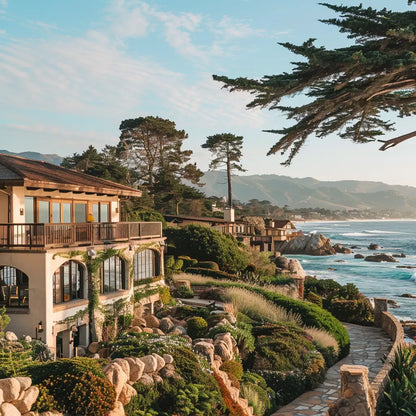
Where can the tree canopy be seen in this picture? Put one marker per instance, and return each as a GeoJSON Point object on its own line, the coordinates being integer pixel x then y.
{"type": "Point", "coordinates": [227, 151]}
{"type": "Point", "coordinates": [348, 90]}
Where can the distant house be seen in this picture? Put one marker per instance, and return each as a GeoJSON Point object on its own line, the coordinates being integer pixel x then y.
{"type": "Point", "coordinates": [63, 250]}
{"type": "Point", "coordinates": [275, 231]}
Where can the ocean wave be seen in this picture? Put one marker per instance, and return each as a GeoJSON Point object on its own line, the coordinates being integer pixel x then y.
{"type": "Point", "coordinates": [354, 234]}
{"type": "Point", "coordinates": [381, 232]}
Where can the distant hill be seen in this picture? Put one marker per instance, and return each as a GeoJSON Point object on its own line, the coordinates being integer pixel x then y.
{"type": "Point", "coordinates": [311, 193]}
{"type": "Point", "coordinates": [55, 159]}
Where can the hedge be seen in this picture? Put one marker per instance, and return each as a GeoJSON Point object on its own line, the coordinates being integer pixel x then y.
{"type": "Point", "coordinates": [217, 274]}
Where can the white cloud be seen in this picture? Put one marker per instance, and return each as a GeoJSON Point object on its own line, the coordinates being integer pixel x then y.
{"type": "Point", "coordinates": [230, 28]}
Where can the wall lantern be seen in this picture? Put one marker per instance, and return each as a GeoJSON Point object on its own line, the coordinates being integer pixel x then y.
{"type": "Point", "coordinates": [22, 211]}
{"type": "Point", "coordinates": [39, 329]}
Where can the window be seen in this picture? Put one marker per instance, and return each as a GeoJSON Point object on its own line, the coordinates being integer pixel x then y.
{"type": "Point", "coordinates": [112, 275]}
{"type": "Point", "coordinates": [29, 211]}
{"type": "Point", "coordinates": [145, 264]}
{"type": "Point", "coordinates": [80, 212]}
{"type": "Point", "coordinates": [68, 282]}
{"type": "Point", "coordinates": [14, 285]}
{"type": "Point", "coordinates": [43, 212]}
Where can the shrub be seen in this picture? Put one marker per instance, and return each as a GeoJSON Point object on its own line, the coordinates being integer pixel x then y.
{"type": "Point", "coordinates": [146, 215]}
{"type": "Point", "coordinates": [211, 273]}
{"type": "Point", "coordinates": [164, 294]}
{"type": "Point", "coordinates": [208, 265]}
{"type": "Point", "coordinates": [232, 367]}
{"type": "Point", "coordinates": [257, 397]}
{"type": "Point", "coordinates": [326, 344]}
{"type": "Point", "coordinates": [124, 322]}
{"type": "Point", "coordinates": [183, 292]}
{"type": "Point", "coordinates": [196, 327]}
{"type": "Point", "coordinates": [206, 244]}
{"type": "Point", "coordinates": [359, 311]}
{"type": "Point", "coordinates": [187, 262]}
{"type": "Point", "coordinates": [314, 298]}
{"type": "Point", "coordinates": [86, 394]}
{"type": "Point", "coordinates": [322, 287]}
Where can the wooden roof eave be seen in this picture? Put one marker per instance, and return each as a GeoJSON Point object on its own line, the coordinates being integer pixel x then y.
{"type": "Point", "coordinates": [76, 188]}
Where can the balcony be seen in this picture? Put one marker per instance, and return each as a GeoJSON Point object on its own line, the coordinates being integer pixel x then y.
{"type": "Point", "coordinates": [40, 236]}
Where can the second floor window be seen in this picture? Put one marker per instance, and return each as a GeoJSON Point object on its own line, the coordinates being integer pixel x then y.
{"type": "Point", "coordinates": [145, 264]}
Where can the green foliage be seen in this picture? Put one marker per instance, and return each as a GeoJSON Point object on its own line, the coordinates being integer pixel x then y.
{"type": "Point", "coordinates": [164, 295]}
{"type": "Point", "coordinates": [259, 396]}
{"type": "Point", "coordinates": [347, 91]}
{"type": "Point", "coordinates": [185, 311]}
{"type": "Point", "coordinates": [211, 273]}
{"type": "Point", "coordinates": [400, 392]}
{"type": "Point", "coordinates": [196, 327]}
{"type": "Point", "coordinates": [86, 394]}
{"type": "Point", "coordinates": [141, 294]}
{"type": "Point", "coordinates": [322, 287]}
{"type": "Point", "coordinates": [124, 322]}
{"type": "Point", "coordinates": [172, 266]}
{"type": "Point", "coordinates": [4, 320]}
{"type": "Point", "coordinates": [314, 298]}
{"type": "Point", "coordinates": [187, 262]}
{"type": "Point", "coordinates": [349, 292]}
{"type": "Point", "coordinates": [75, 366]}
{"type": "Point", "coordinates": [354, 311]}
{"type": "Point", "coordinates": [141, 215]}
{"type": "Point", "coordinates": [148, 280]}
{"type": "Point", "coordinates": [206, 244]}
{"type": "Point", "coordinates": [183, 292]}
{"type": "Point", "coordinates": [233, 367]}
{"type": "Point", "coordinates": [208, 265]}
{"type": "Point", "coordinates": [175, 397]}
{"type": "Point", "coordinates": [14, 357]}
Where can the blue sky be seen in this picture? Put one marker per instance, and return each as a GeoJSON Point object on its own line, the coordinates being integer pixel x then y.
{"type": "Point", "coordinates": [71, 71]}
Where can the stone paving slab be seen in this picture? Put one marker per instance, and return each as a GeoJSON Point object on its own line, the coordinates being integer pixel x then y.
{"type": "Point", "coordinates": [368, 346]}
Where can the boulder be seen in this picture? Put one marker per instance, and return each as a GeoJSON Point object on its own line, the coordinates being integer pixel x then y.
{"type": "Point", "coordinates": [126, 394]}
{"type": "Point", "coordinates": [11, 389]}
{"type": "Point", "coordinates": [168, 358]}
{"type": "Point", "coordinates": [80, 351]}
{"type": "Point", "coordinates": [158, 331]}
{"type": "Point", "coordinates": [166, 324]}
{"type": "Point", "coordinates": [209, 340]}
{"type": "Point", "coordinates": [157, 379]}
{"type": "Point", "coordinates": [168, 371]}
{"type": "Point", "coordinates": [358, 256]}
{"type": "Point", "coordinates": [228, 339]}
{"type": "Point", "coordinates": [378, 258]}
{"type": "Point", "coordinates": [373, 246]}
{"type": "Point", "coordinates": [8, 409]}
{"type": "Point", "coordinates": [123, 364]}
{"type": "Point", "coordinates": [136, 329]}
{"type": "Point", "coordinates": [117, 376]}
{"type": "Point", "coordinates": [152, 321]}
{"type": "Point", "coordinates": [150, 363]}
{"type": "Point", "coordinates": [136, 368]}
{"type": "Point", "coordinates": [147, 330]}
{"type": "Point", "coordinates": [221, 349]}
{"type": "Point", "coordinates": [10, 336]}
{"type": "Point", "coordinates": [401, 255]}
{"type": "Point", "coordinates": [146, 379]}
{"type": "Point", "coordinates": [282, 262]}
{"type": "Point", "coordinates": [296, 268]}
{"type": "Point", "coordinates": [314, 244]}
{"type": "Point", "coordinates": [407, 295]}
{"type": "Point", "coordinates": [160, 361]}
{"type": "Point", "coordinates": [25, 383]}
{"type": "Point", "coordinates": [206, 349]}
{"type": "Point", "coordinates": [95, 356]}
{"type": "Point", "coordinates": [94, 347]}
{"type": "Point", "coordinates": [118, 410]}
{"type": "Point", "coordinates": [26, 399]}
{"type": "Point", "coordinates": [177, 330]}
{"type": "Point", "coordinates": [27, 338]}
{"type": "Point", "coordinates": [104, 352]}
{"type": "Point", "coordinates": [52, 413]}
{"type": "Point", "coordinates": [339, 248]}
{"type": "Point", "coordinates": [139, 322]}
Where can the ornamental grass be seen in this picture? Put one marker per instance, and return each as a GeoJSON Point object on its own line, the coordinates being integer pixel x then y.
{"type": "Point", "coordinates": [322, 338]}
{"type": "Point", "coordinates": [258, 308]}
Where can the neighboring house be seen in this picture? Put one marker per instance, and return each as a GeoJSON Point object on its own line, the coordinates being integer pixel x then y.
{"type": "Point", "coordinates": [64, 253]}
{"type": "Point", "coordinates": [274, 232]}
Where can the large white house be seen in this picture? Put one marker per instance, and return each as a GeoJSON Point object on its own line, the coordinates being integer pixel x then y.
{"type": "Point", "coordinates": [64, 252]}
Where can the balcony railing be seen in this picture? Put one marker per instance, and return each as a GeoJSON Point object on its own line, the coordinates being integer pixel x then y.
{"type": "Point", "coordinates": [75, 234]}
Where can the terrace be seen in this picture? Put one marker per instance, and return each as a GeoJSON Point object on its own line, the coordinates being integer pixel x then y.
{"type": "Point", "coordinates": [50, 235]}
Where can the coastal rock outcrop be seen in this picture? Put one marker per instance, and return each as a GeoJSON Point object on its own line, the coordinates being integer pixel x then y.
{"type": "Point", "coordinates": [378, 258]}
{"type": "Point", "coordinates": [313, 244]}
{"type": "Point", "coordinates": [358, 256]}
{"type": "Point", "coordinates": [292, 266]}
{"type": "Point", "coordinates": [339, 248]}
{"type": "Point", "coordinates": [373, 246]}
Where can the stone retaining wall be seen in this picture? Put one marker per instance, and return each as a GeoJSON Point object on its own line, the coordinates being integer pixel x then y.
{"type": "Point", "coordinates": [357, 396]}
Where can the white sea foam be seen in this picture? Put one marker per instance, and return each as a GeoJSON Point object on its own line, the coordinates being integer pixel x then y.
{"type": "Point", "coordinates": [354, 234]}
{"type": "Point", "coordinates": [381, 232]}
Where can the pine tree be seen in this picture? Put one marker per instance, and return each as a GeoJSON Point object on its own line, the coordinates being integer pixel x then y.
{"type": "Point", "coordinates": [347, 90]}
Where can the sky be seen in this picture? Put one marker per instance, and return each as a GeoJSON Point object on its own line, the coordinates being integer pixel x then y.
{"type": "Point", "coordinates": [71, 71]}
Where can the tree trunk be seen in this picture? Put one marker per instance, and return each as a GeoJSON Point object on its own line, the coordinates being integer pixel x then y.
{"type": "Point", "coordinates": [230, 193]}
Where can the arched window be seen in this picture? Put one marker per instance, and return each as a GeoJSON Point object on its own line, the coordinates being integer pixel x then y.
{"type": "Point", "coordinates": [68, 282]}
{"type": "Point", "coordinates": [112, 275]}
{"type": "Point", "coordinates": [145, 264]}
{"type": "Point", "coordinates": [14, 285]}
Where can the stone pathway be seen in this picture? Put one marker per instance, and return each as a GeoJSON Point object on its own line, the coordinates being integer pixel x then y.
{"type": "Point", "coordinates": [368, 345]}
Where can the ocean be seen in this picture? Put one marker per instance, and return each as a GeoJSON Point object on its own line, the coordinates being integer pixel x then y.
{"type": "Point", "coordinates": [373, 279]}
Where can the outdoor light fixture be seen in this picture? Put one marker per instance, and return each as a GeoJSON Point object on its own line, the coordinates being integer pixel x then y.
{"type": "Point", "coordinates": [22, 211]}
{"type": "Point", "coordinates": [39, 329]}
{"type": "Point", "coordinates": [91, 253]}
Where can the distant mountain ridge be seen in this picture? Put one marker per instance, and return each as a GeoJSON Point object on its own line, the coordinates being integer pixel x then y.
{"type": "Point", "coordinates": [53, 158]}
{"type": "Point", "coordinates": [312, 193]}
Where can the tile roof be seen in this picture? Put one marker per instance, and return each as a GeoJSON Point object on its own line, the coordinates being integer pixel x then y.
{"type": "Point", "coordinates": [19, 171]}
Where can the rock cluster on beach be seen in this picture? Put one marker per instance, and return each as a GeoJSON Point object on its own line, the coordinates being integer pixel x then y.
{"type": "Point", "coordinates": [313, 244]}
{"type": "Point", "coordinates": [378, 258]}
